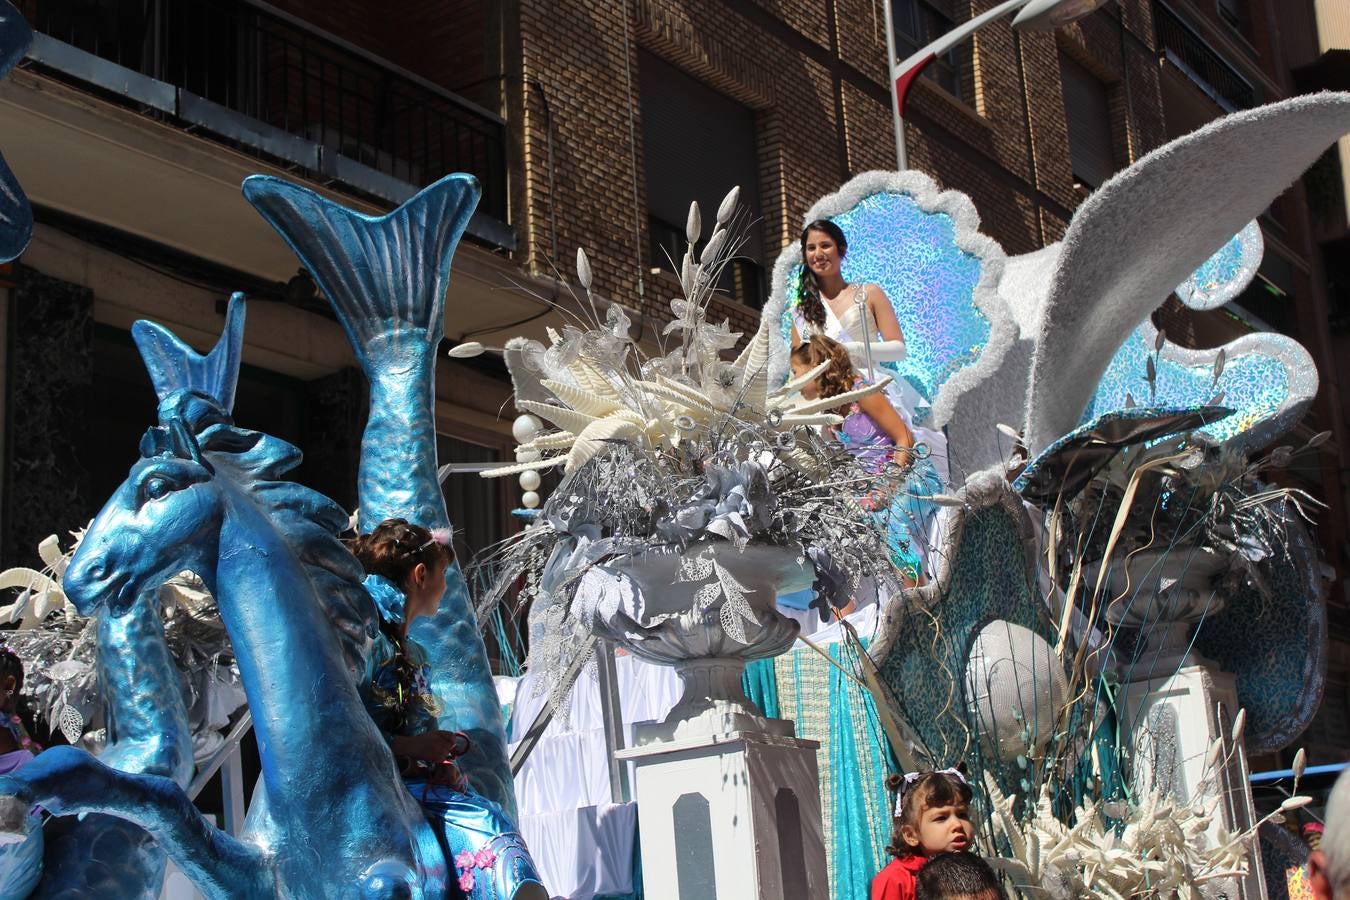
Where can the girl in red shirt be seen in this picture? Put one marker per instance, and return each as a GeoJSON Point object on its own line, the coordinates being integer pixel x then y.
{"type": "Point", "coordinates": [932, 817]}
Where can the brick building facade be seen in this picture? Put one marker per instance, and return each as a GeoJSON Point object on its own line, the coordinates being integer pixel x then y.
{"type": "Point", "coordinates": [557, 99]}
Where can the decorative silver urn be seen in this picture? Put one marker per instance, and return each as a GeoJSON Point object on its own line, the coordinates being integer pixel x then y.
{"type": "Point", "coordinates": [706, 612]}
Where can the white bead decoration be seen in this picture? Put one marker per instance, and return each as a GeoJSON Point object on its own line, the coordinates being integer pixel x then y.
{"type": "Point", "coordinates": [526, 428]}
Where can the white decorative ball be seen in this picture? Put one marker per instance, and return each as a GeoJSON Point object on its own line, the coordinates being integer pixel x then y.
{"type": "Point", "coordinates": [526, 428]}
{"type": "Point", "coordinates": [529, 480]}
{"type": "Point", "coordinates": [1015, 686]}
{"type": "Point", "coordinates": [529, 500]}
{"type": "Point", "coordinates": [528, 455]}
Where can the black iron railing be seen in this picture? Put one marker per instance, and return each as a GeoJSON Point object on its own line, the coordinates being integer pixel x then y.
{"type": "Point", "coordinates": [276, 71]}
{"type": "Point", "coordinates": [1201, 62]}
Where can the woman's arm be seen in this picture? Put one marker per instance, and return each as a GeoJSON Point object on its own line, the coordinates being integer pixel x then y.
{"type": "Point", "coordinates": [891, 347]}
{"type": "Point", "coordinates": [884, 314]}
{"type": "Point", "coordinates": [879, 410]}
{"type": "Point", "coordinates": [796, 338]}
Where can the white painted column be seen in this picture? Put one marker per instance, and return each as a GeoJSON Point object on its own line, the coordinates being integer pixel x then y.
{"type": "Point", "coordinates": [730, 817]}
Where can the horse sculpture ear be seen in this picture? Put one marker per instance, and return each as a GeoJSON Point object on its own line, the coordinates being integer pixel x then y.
{"type": "Point", "coordinates": [185, 444]}
{"type": "Point", "coordinates": [155, 442]}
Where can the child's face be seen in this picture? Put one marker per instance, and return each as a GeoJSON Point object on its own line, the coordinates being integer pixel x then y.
{"type": "Point", "coordinates": [941, 829]}
{"type": "Point", "coordinates": [424, 588]}
{"type": "Point", "coordinates": [811, 390]}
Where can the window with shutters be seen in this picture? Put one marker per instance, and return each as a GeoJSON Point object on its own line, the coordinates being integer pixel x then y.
{"type": "Point", "coordinates": [1087, 113]}
{"type": "Point", "coordinates": [697, 145]}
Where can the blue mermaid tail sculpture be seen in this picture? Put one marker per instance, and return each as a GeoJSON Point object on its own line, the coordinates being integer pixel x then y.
{"type": "Point", "coordinates": [386, 278]}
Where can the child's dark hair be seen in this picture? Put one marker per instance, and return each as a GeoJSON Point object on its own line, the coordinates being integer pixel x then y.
{"type": "Point", "coordinates": [17, 704]}
{"type": "Point", "coordinates": [930, 790]}
{"type": "Point", "coordinates": [839, 378]}
{"type": "Point", "coordinates": [395, 548]}
{"type": "Point", "coordinates": [953, 875]}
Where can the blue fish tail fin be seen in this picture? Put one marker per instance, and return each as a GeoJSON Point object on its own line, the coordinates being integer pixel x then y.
{"type": "Point", "coordinates": [377, 271]}
{"type": "Point", "coordinates": [173, 365]}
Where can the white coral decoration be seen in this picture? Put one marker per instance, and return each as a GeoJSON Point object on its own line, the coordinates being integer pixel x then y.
{"type": "Point", "coordinates": [41, 592]}
{"type": "Point", "coordinates": [1151, 849]}
{"type": "Point", "coordinates": [603, 397]}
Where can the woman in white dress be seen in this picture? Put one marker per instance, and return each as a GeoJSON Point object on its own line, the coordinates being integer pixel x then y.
{"type": "Point", "coordinates": [860, 317]}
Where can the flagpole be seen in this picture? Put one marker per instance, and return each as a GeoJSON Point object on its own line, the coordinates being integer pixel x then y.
{"type": "Point", "coordinates": [901, 162]}
{"type": "Point", "coordinates": [1033, 15]}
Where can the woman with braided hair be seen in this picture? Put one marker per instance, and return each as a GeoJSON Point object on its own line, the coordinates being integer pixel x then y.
{"type": "Point", "coordinates": [831, 306]}
{"type": "Point", "coordinates": [405, 575]}
{"type": "Point", "coordinates": [861, 318]}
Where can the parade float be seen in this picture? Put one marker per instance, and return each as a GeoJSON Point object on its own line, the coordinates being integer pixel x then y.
{"type": "Point", "coordinates": [1085, 645]}
{"type": "Point", "coordinates": [1123, 603]}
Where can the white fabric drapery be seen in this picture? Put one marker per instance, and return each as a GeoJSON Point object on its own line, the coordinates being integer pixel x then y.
{"type": "Point", "coordinates": [582, 842]}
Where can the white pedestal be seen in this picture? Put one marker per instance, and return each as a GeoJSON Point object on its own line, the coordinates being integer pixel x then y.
{"type": "Point", "coordinates": [713, 703]}
{"type": "Point", "coordinates": [1173, 721]}
{"type": "Point", "coordinates": [730, 817]}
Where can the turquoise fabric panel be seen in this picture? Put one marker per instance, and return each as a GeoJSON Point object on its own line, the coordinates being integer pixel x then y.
{"type": "Point", "coordinates": [761, 686]}
{"type": "Point", "coordinates": [861, 821]}
{"type": "Point", "coordinates": [854, 757]}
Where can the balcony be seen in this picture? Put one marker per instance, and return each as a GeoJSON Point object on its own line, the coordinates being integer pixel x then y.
{"type": "Point", "coordinates": [1183, 46]}
{"type": "Point", "coordinates": [266, 83]}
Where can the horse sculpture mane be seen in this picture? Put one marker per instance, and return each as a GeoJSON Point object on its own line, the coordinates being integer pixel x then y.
{"type": "Point", "coordinates": [311, 522]}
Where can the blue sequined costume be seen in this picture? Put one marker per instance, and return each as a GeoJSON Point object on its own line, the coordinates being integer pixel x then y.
{"type": "Point", "coordinates": [904, 511]}
{"type": "Point", "coordinates": [485, 848]}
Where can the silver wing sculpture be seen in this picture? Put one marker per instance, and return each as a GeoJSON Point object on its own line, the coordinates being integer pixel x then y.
{"type": "Point", "coordinates": [1036, 341]}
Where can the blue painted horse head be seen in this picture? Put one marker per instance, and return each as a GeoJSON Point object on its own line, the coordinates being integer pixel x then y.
{"type": "Point", "coordinates": [164, 519]}
{"type": "Point", "coordinates": [209, 497]}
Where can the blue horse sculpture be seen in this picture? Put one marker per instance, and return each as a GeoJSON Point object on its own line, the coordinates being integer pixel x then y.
{"type": "Point", "coordinates": [148, 731]}
{"type": "Point", "coordinates": [332, 816]}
